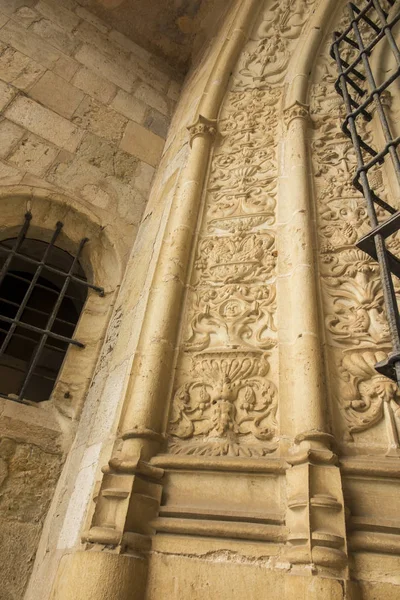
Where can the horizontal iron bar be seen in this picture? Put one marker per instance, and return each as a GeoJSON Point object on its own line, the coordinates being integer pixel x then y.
{"type": "Point", "coordinates": [52, 269]}
{"type": "Point", "coordinates": [56, 336]}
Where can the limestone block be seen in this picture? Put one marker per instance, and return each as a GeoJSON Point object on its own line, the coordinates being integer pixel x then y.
{"type": "Point", "coordinates": [142, 143]}
{"type": "Point", "coordinates": [9, 175]}
{"type": "Point", "coordinates": [129, 106]}
{"type": "Point", "coordinates": [89, 34]}
{"type": "Point", "coordinates": [16, 563]}
{"type": "Point", "coordinates": [9, 7]}
{"type": "Point", "coordinates": [7, 93]}
{"type": "Point", "coordinates": [99, 119]}
{"type": "Point", "coordinates": [55, 93]}
{"type": "Point", "coordinates": [105, 67]}
{"type": "Point", "coordinates": [107, 157]}
{"type": "Point", "coordinates": [230, 576]}
{"type": "Point", "coordinates": [66, 67]}
{"type": "Point", "coordinates": [10, 134]}
{"type": "Point", "coordinates": [128, 45]}
{"type": "Point", "coordinates": [26, 16]}
{"type": "Point", "coordinates": [112, 576]}
{"type": "Point", "coordinates": [174, 90]}
{"type": "Point", "coordinates": [151, 97]}
{"type": "Point", "coordinates": [56, 36]}
{"type": "Point", "coordinates": [144, 178]}
{"type": "Point", "coordinates": [94, 85]}
{"type": "Point", "coordinates": [33, 155]}
{"type": "Point", "coordinates": [18, 69]}
{"type": "Point", "coordinates": [156, 122]}
{"type": "Point", "coordinates": [92, 19]}
{"type": "Point", "coordinates": [44, 122]}
{"type": "Point", "coordinates": [152, 75]}
{"type": "Point", "coordinates": [29, 44]}
{"type": "Point", "coordinates": [75, 175]}
{"type": "Point", "coordinates": [55, 12]}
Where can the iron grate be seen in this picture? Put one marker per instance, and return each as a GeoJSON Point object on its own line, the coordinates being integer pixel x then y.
{"type": "Point", "coordinates": [357, 85]}
{"type": "Point", "coordinates": [41, 332]}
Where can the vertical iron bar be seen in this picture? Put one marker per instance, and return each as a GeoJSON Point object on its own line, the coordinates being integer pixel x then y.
{"type": "Point", "coordinates": [16, 246]}
{"type": "Point", "coordinates": [376, 96]}
{"type": "Point", "coordinates": [50, 321]}
{"type": "Point", "coordinates": [377, 234]}
{"type": "Point", "coordinates": [30, 288]}
{"type": "Point", "coordinates": [388, 32]}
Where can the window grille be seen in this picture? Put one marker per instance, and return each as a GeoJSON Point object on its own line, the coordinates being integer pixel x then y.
{"type": "Point", "coordinates": [357, 85]}
{"type": "Point", "coordinates": [42, 292]}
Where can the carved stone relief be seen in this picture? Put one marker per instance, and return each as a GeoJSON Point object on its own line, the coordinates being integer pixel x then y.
{"type": "Point", "coordinates": [225, 395]}
{"type": "Point", "coordinates": [355, 321]}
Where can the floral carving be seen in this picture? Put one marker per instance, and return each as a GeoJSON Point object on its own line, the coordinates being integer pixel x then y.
{"type": "Point", "coordinates": [355, 294]}
{"type": "Point", "coordinates": [370, 397]}
{"type": "Point", "coordinates": [236, 259]}
{"type": "Point", "coordinates": [235, 316]}
{"type": "Point", "coordinates": [228, 408]}
{"type": "Point", "coordinates": [267, 55]}
{"type": "Point", "coordinates": [351, 289]}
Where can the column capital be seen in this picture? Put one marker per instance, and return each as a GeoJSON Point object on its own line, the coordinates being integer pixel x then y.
{"type": "Point", "coordinates": [203, 127]}
{"type": "Point", "coordinates": [296, 111]}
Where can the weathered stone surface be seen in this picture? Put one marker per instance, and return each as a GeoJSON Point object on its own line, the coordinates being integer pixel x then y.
{"type": "Point", "coordinates": [43, 122]}
{"type": "Point", "coordinates": [151, 97]}
{"type": "Point", "coordinates": [105, 67]}
{"type": "Point", "coordinates": [29, 44]}
{"type": "Point", "coordinates": [55, 93]}
{"type": "Point", "coordinates": [142, 143]}
{"type": "Point", "coordinates": [33, 155]}
{"type": "Point", "coordinates": [94, 85]}
{"type": "Point", "coordinates": [99, 119]}
{"type": "Point", "coordinates": [18, 69]}
{"type": "Point", "coordinates": [157, 123]}
{"type": "Point", "coordinates": [10, 134]}
{"type": "Point", "coordinates": [129, 106]}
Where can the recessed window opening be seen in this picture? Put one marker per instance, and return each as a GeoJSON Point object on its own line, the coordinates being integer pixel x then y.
{"type": "Point", "coordinates": [43, 290]}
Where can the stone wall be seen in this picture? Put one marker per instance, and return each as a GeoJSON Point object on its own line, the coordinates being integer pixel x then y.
{"type": "Point", "coordinates": [84, 116]}
{"type": "Point", "coordinates": [84, 109]}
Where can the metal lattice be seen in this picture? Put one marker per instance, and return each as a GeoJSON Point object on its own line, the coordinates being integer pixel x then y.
{"type": "Point", "coordinates": [32, 311]}
{"type": "Point", "coordinates": [357, 85]}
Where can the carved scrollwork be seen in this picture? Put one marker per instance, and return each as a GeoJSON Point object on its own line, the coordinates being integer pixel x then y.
{"type": "Point", "coordinates": [369, 397]}
{"type": "Point", "coordinates": [267, 55]}
{"type": "Point", "coordinates": [228, 408]}
{"type": "Point", "coordinates": [235, 316]}
{"type": "Point", "coordinates": [354, 292]}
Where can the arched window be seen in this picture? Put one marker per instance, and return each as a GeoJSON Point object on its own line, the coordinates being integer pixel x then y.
{"type": "Point", "coordinates": [42, 292]}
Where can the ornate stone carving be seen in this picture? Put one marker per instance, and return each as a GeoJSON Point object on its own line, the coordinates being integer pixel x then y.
{"type": "Point", "coordinates": [202, 126]}
{"type": "Point", "coordinates": [296, 111]}
{"type": "Point", "coordinates": [228, 408]}
{"type": "Point", "coordinates": [268, 53]}
{"type": "Point", "coordinates": [369, 397]}
{"type": "Point", "coordinates": [351, 289]}
{"type": "Point", "coordinates": [355, 294]}
{"type": "Point", "coordinates": [236, 316]}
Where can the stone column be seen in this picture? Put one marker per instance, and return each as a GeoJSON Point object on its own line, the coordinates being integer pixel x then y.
{"type": "Point", "coordinates": [130, 491]}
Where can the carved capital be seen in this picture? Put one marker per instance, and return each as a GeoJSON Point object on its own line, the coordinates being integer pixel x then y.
{"type": "Point", "coordinates": [296, 111]}
{"type": "Point", "coordinates": [204, 127]}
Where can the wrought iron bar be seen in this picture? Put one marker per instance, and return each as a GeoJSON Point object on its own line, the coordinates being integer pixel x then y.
{"type": "Point", "coordinates": [374, 19]}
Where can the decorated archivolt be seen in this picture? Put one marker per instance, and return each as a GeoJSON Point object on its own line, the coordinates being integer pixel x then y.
{"type": "Point", "coordinates": [225, 397]}
{"type": "Point", "coordinates": [355, 322]}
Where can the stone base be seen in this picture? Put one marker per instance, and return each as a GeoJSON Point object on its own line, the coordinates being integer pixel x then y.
{"type": "Point", "coordinates": [94, 575]}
